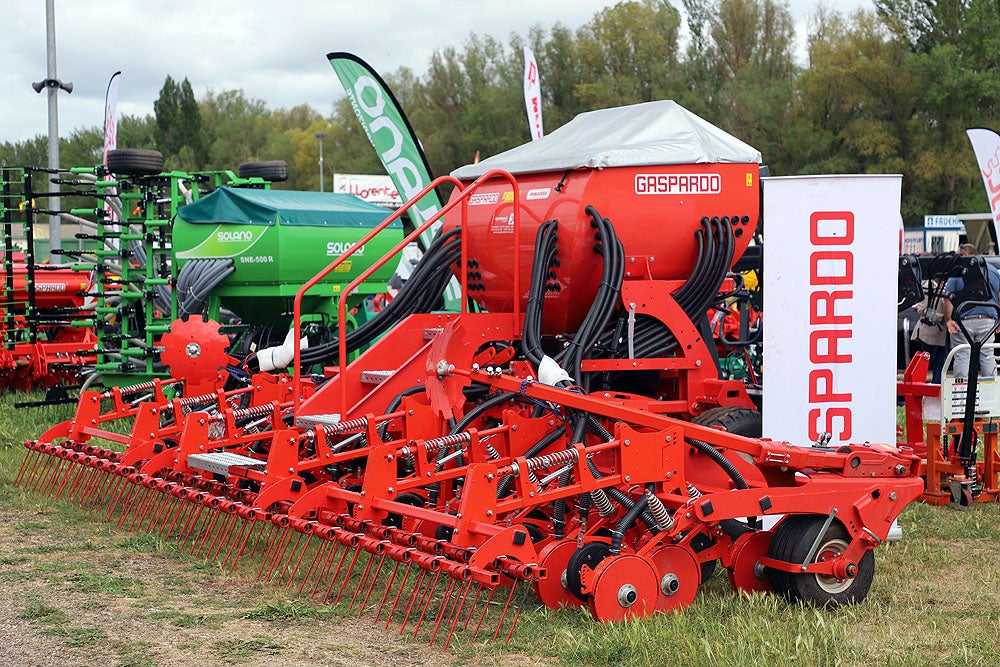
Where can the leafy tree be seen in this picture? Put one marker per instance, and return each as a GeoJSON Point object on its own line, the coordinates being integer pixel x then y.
{"type": "Point", "coordinates": [238, 127]}
{"type": "Point", "coordinates": [179, 125]}
{"type": "Point", "coordinates": [754, 69]}
{"type": "Point", "coordinates": [628, 54]}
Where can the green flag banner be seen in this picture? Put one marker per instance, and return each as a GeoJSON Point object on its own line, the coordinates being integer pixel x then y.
{"type": "Point", "coordinates": [393, 139]}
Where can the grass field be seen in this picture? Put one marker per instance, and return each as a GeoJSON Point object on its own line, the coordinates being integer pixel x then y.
{"type": "Point", "coordinates": [75, 590]}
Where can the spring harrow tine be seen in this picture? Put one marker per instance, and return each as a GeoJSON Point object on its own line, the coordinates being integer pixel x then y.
{"type": "Point", "coordinates": [319, 554]}
{"type": "Point", "coordinates": [28, 462]}
{"type": "Point", "coordinates": [206, 531]}
{"type": "Point", "coordinates": [429, 590]}
{"type": "Point", "coordinates": [503, 616]}
{"type": "Point", "coordinates": [223, 536]}
{"type": "Point", "coordinates": [274, 554]}
{"type": "Point", "coordinates": [388, 589]}
{"type": "Point", "coordinates": [302, 543]}
{"type": "Point", "coordinates": [364, 578]}
{"type": "Point", "coordinates": [486, 608]}
{"type": "Point", "coordinates": [457, 611]}
{"type": "Point", "coordinates": [446, 600]}
{"type": "Point", "coordinates": [415, 594]}
{"type": "Point", "coordinates": [252, 525]}
{"type": "Point", "coordinates": [399, 593]}
{"type": "Point", "coordinates": [334, 549]}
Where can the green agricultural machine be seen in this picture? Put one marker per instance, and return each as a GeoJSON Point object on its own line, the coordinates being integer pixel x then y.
{"type": "Point", "coordinates": [185, 267]}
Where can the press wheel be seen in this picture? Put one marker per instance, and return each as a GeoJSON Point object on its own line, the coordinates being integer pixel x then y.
{"type": "Point", "coordinates": [553, 590]}
{"type": "Point", "coordinates": [624, 587]}
{"type": "Point", "coordinates": [744, 574]}
{"type": "Point", "coordinates": [678, 574]}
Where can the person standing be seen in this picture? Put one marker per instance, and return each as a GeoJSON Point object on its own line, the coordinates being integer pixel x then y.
{"type": "Point", "coordinates": [930, 331]}
{"type": "Point", "coordinates": [979, 321]}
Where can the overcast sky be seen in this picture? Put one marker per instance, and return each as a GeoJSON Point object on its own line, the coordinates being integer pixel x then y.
{"type": "Point", "coordinates": [273, 51]}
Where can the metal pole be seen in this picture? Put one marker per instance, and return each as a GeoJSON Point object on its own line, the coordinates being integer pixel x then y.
{"type": "Point", "coordinates": [321, 136]}
{"type": "Point", "coordinates": [55, 228]}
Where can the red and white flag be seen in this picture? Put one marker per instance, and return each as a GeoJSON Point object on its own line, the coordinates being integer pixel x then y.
{"type": "Point", "coordinates": [532, 94]}
{"type": "Point", "coordinates": [111, 135]}
{"type": "Point", "coordinates": [986, 146]}
{"type": "Point", "coordinates": [111, 116]}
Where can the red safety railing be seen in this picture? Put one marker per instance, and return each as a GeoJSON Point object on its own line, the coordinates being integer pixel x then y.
{"type": "Point", "coordinates": [462, 199]}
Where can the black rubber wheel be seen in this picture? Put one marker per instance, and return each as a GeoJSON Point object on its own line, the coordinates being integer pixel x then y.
{"type": "Point", "coordinates": [699, 543]}
{"type": "Point", "coordinates": [396, 520]}
{"type": "Point", "coordinates": [274, 171]}
{"type": "Point", "coordinates": [741, 421]}
{"type": "Point", "coordinates": [589, 554]}
{"type": "Point", "coordinates": [791, 543]}
{"type": "Point", "coordinates": [135, 162]}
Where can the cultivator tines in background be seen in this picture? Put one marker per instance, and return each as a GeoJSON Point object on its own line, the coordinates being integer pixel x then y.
{"type": "Point", "coordinates": [46, 328]}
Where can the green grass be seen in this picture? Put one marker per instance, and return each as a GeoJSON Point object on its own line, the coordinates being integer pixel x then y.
{"type": "Point", "coordinates": [238, 651]}
{"type": "Point", "coordinates": [935, 600]}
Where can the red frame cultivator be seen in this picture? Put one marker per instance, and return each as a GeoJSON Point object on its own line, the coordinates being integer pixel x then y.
{"type": "Point", "coordinates": [457, 454]}
{"type": "Point", "coordinates": [42, 340]}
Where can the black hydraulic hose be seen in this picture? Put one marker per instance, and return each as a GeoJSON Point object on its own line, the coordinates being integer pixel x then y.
{"type": "Point", "coordinates": [503, 488]}
{"type": "Point", "coordinates": [724, 463]}
{"type": "Point", "coordinates": [545, 252]}
{"type": "Point", "coordinates": [608, 294]}
{"type": "Point", "coordinates": [434, 487]}
{"type": "Point", "coordinates": [419, 294]}
{"type": "Point", "coordinates": [476, 412]}
{"type": "Point", "coordinates": [383, 430]}
{"type": "Point", "coordinates": [618, 534]}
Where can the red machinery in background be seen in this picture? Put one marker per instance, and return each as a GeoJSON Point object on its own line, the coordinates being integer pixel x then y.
{"type": "Point", "coordinates": [46, 333]}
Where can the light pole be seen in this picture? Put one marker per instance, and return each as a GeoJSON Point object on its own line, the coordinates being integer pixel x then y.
{"type": "Point", "coordinates": [321, 136]}
{"type": "Point", "coordinates": [53, 85]}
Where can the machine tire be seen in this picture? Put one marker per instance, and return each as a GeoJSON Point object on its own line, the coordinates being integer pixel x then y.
{"type": "Point", "coordinates": [135, 161]}
{"type": "Point", "coordinates": [274, 171]}
{"type": "Point", "coordinates": [791, 543]}
{"type": "Point", "coordinates": [741, 421]}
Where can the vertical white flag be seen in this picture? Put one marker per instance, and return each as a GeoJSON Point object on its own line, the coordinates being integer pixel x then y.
{"type": "Point", "coordinates": [111, 135]}
{"type": "Point", "coordinates": [111, 116]}
{"type": "Point", "coordinates": [532, 95]}
{"type": "Point", "coordinates": [986, 146]}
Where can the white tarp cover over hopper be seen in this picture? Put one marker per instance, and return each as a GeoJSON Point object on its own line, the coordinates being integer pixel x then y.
{"type": "Point", "coordinates": [652, 133]}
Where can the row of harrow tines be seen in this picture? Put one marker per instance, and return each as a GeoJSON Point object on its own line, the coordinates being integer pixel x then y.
{"type": "Point", "coordinates": [425, 513]}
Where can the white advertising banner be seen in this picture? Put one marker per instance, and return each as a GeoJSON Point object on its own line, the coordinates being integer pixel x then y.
{"type": "Point", "coordinates": [373, 188]}
{"type": "Point", "coordinates": [830, 283]}
{"type": "Point", "coordinates": [533, 95]}
{"type": "Point", "coordinates": [986, 146]}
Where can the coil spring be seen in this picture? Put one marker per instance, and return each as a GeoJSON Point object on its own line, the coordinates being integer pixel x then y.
{"type": "Point", "coordinates": [554, 459]}
{"type": "Point", "coordinates": [194, 400]}
{"type": "Point", "coordinates": [437, 444]}
{"type": "Point", "coordinates": [141, 386]}
{"type": "Point", "coordinates": [693, 491]}
{"type": "Point", "coordinates": [254, 412]}
{"type": "Point", "coordinates": [339, 428]}
{"type": "Point", "coordinates": [602, 502]}
{"type": "Point", "coordinates": [492, 452]}
{"type": "Point", "coordinates": [656, 508]}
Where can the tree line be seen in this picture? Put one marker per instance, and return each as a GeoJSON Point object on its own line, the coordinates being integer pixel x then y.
{"type": "Point", "coordinates": [885, 91]}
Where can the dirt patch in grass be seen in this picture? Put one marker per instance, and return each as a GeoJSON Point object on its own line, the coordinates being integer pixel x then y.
{"type": "Point", "coordinates": [74, 592]}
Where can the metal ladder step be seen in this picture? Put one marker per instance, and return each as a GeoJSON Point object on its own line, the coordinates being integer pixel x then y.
{"type": "Point", "coordinates": [308, 421]}
{"type": "Point", "coordinates": [220, 462]}
{"type": "Point", "coordinates": [375, 377]}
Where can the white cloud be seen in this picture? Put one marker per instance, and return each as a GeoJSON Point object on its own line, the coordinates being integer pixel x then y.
{"type": "Point", "coordinates": [272, 51]}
